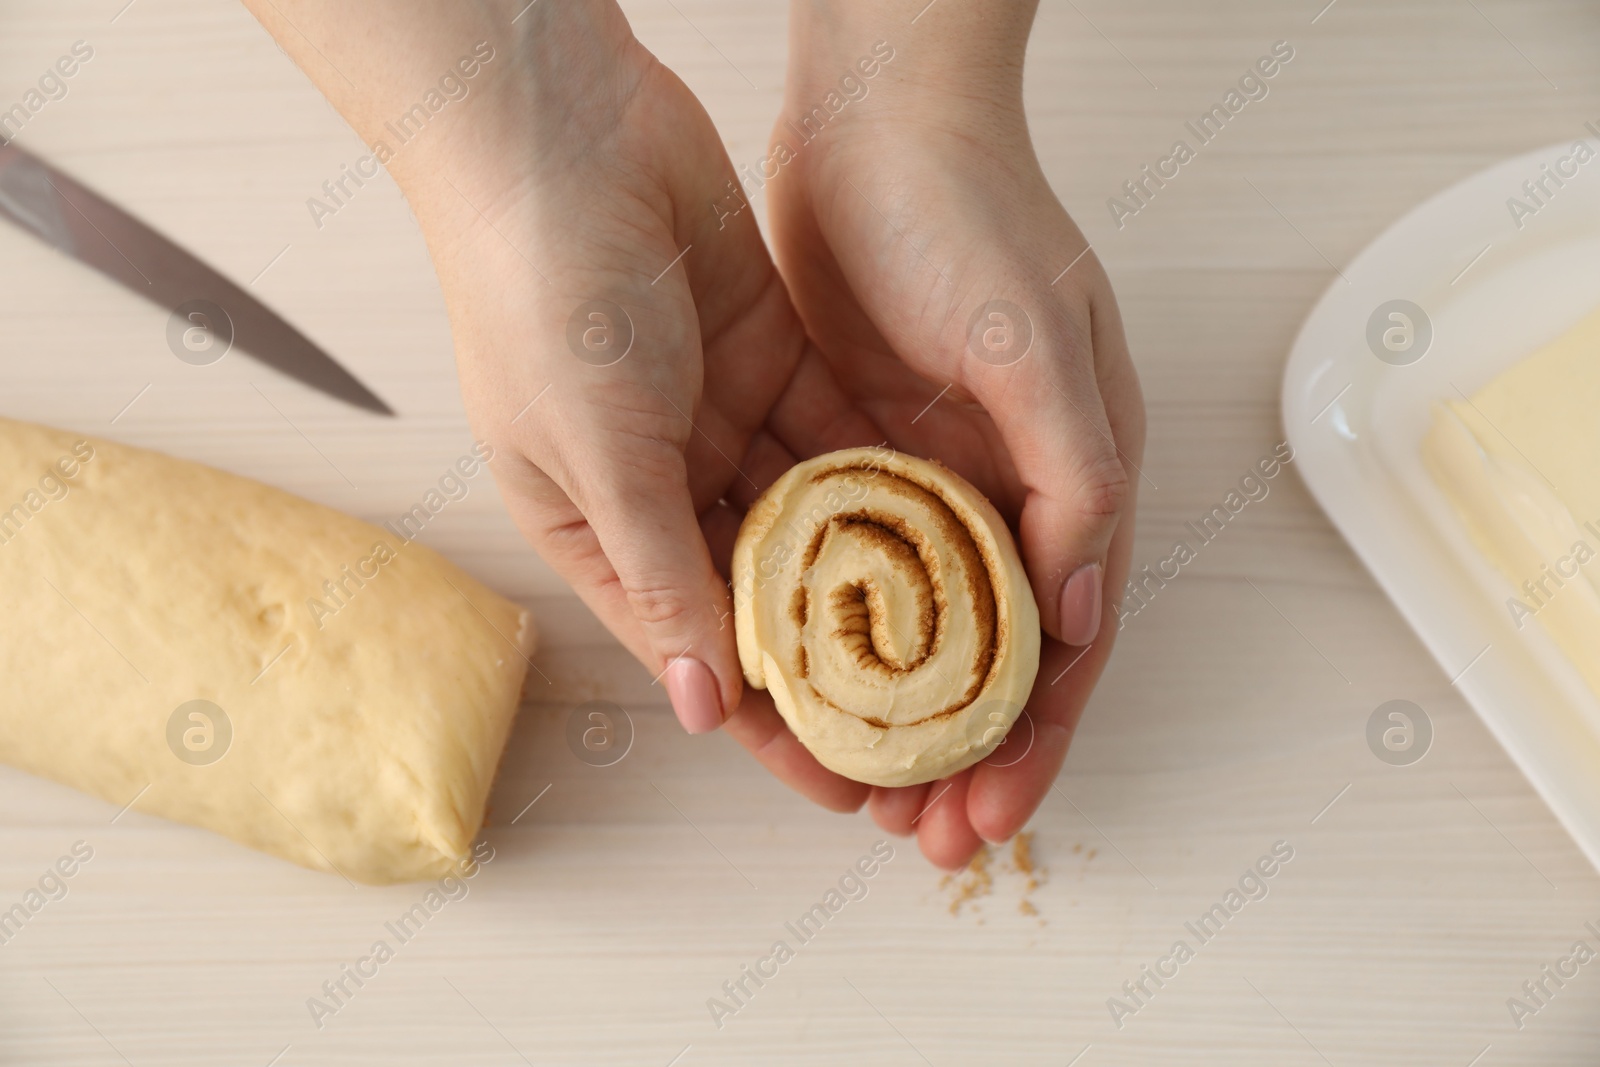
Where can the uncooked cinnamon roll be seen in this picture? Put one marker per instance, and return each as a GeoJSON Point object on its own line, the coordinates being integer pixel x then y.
{"type": "Point", "coordinates": [880, 599]}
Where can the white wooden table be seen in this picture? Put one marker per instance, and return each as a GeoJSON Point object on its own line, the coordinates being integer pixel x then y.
{"type": "Point", "coordinates": [1415, 905]}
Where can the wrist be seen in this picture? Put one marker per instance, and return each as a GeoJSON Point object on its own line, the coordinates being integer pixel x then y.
{"type": "Point", "coordinates": [955, 65]}
{"type": "Point", "coordinates": [557, 89]}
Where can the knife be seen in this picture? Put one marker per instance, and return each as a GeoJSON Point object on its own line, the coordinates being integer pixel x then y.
{"type": "Point", "coordinates": [70, 217]}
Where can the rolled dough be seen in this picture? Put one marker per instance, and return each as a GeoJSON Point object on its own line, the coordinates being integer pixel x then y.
{"type": "Point", "coordinates": [360, 737]}
{"type": "Point", "coordinates": [881, 600]}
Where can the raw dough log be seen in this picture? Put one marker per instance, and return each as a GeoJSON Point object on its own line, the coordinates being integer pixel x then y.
{"type": "Point", "coordinates": [135, 583]}
{"type": "Point", "coordinates": [880, 598]}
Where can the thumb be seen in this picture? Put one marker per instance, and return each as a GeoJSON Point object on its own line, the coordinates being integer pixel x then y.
{"type": "Point", "coordinates": [1049, 410]}
{"type": "Point", "coordinates": [644, 519]}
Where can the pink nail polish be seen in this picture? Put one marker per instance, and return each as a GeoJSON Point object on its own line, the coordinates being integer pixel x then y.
{"type": "Point", "coordinates": [1080, 605]}
{"type": "Point", "coordinates": [692, 688]}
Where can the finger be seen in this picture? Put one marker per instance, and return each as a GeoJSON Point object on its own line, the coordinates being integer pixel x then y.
{"type": "Point", "coordinates": [1003, 798]}
{"type": "Point", "coordinates": [749, 361]}
{"type": "Point", "coordinates": [896, 809]}
{"type": "Point", "coordinates": [766, 460]}
{"type": "Point", "coordinates": [557, 530]}
{"type": "Point", "coordinates": [814, 415]}
{"type": "Point", "coordinates": [1048, 409]}
{"type": "Point", "coordinates": [636, 497]}
{"type": "Point", "coordinates": [760, 729]}
{"type": "Point", "coordinates": [943, 832]}
{"type": "Point", "coordinates": [720, 523]}
{"type": "Point", "coordinates": [1118, 378]}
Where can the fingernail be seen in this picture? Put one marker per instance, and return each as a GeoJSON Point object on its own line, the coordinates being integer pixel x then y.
{"type": "Point", "coordinates": [1080, 605]}
{"type": "Point", "coordinates": [692, 688]}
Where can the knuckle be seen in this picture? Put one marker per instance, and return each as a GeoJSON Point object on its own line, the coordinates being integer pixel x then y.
{"type": "Point", "coordinates": [1103, 488]}
{"type": "Point", "coordinates": [572, 548]}
{"type": "Point", "coordinates": [659, 605]}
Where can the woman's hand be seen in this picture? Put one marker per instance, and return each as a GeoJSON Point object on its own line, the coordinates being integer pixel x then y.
{"type": "Point", "coordinates": [957, 306]}
{"type": "Point", "coordinates": [622, 336]}
{"type": "Point", "coordinates": [634, 434]}
{"type": "Point", "coordinates": [617, 340]}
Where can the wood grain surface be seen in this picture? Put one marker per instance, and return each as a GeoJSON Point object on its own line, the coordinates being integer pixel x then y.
{"type": "Point", "coordinates": [1418, 900]}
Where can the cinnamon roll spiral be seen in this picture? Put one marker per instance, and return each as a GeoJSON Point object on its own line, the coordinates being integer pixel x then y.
{"type": "Point", "coordinates": [881, 600]}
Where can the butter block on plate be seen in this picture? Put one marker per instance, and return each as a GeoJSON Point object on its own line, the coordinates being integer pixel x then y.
{"type": "Point", "coordinates": [1520, 460]}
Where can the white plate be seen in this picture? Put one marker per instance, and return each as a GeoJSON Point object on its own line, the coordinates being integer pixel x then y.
{"type": "Point", "coordinates": [1360, 453]}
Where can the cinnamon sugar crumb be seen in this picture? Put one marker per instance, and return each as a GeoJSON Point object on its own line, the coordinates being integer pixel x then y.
{"type": "Point", "coordinates": [977, 880]}
{"type": "Point", "coordinates": [974, 882]}
{"type": "Point", "coordinates": [1022, 854]}
{"type": "Point", "coordinates": [1034, 875]}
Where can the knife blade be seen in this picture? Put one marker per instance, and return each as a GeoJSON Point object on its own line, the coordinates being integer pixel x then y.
{"type": "Point", "coordinates": [79, 222]}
